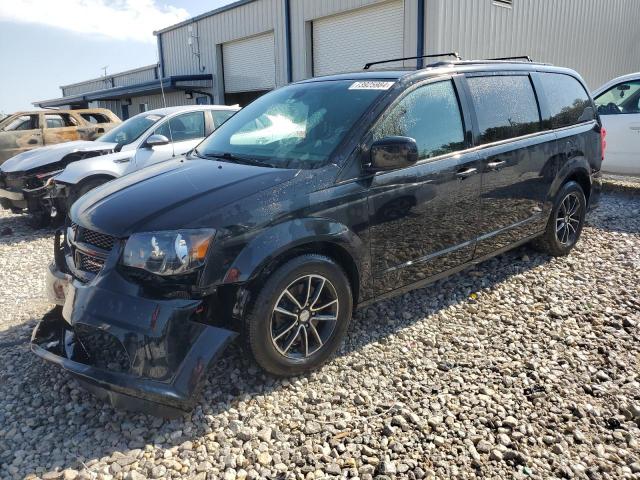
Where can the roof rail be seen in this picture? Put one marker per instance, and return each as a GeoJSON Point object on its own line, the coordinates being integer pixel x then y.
{"type": "Point", "coordinates": [519, 57]}
{"type": "Point", "coordinates": [448, 54]}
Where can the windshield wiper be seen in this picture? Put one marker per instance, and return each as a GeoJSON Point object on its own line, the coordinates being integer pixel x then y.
{"type": "Point", "coordinates": [230, 157]}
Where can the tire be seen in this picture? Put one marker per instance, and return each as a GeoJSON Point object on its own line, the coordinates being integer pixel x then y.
{"type": "Point", "coordinates": [270, 332]}
{"type": "Point", "coordinates": [560, 235]}
{"type": "Point", "coordinates": [83, 188]}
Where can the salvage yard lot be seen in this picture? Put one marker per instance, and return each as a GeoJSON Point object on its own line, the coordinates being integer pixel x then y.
{"type": "Point", "coordinates": [522, 366]}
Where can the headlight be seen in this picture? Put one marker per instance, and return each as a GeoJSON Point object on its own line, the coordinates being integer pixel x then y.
{"type": "Point", "coordinates": [168, 253]}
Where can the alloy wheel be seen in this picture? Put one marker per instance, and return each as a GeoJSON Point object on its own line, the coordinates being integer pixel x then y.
{"type": "Point", "coordinates": [568, 219]}
{"type": "Point", "coordinates": [304, 317]}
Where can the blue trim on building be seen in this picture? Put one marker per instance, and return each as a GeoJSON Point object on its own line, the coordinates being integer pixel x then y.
{"type": "Point", "coordinates": [143, 88]}
{"type": "Point", "coordinates": [160, 57]}
{"type": "Point", "coordinates": [420, 34]}
{"type": "Point", "coordinates": [287, 35]}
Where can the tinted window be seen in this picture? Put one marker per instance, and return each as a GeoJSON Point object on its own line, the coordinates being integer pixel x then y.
{"type": "Point", "coordinates": [430, 115]}
{"type": "Point", "coordinates": [623, 98]}
{"type": "Point", "coordinates": [505, 106]}
{"type": "Point", "coordinates": [183, 127]}
{"type": "Point", "coordinates": [567, 100]}
{"type": "Point", "coordinates": [221, 116]}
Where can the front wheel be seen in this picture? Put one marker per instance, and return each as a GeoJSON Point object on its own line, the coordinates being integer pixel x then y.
{"type": "Point", "coordinates": [300, 315]}
{"type": "Point", "coordinates": [566, 221]}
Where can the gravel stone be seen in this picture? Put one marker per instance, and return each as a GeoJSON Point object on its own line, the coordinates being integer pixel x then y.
{"type": "Point", "coordinates": [524, 366]}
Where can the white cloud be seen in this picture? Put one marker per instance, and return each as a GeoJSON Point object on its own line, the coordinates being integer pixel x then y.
{"type": "Point", "coordinates": [117, 19]}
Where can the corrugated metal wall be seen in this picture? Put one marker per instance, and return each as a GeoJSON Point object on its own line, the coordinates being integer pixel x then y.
{"type": "Point", "coordinates": [598, 38]}
{"type": "Point", "coordinates": [243, 21]}
{"type": "Point", "coordinates": [303, 12]}
{"type": "Point", "coordinates": [130, 77]}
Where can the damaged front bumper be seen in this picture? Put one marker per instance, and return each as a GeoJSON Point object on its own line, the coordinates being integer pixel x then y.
{"type": "Point", "coordinates": [139, 354]}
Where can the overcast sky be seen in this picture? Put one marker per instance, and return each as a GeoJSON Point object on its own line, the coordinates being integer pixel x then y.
{"type": "Point", "coordinates": [48, 43]}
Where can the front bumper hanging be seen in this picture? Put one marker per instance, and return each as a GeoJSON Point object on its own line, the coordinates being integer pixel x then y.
{"type": "Point", "coordinates": [137, 353]}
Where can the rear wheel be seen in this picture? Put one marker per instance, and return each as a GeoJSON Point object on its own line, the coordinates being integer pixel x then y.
{"type": "Point", "coordinates": [566, 221]}
{"type": "Point", "coordinates": [300, 315]}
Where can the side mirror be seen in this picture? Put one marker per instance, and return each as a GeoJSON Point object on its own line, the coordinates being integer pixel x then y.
{"type": "Point", "coordinates": [390, 153]}
{"type": "Point", "coordinates": [156, 140]}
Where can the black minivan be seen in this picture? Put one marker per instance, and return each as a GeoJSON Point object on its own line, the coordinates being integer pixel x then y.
{"type": "Point", "coordinates": [316, 199]}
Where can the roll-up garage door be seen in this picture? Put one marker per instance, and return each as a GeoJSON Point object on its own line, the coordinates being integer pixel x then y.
{"type": "Point", "coordinates": [249, 64]}
{"type": "Point", "coordinates": [347, 41]}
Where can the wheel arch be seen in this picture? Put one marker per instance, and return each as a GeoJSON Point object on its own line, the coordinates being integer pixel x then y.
{"type": "Point", "coordinates": [275, 246]}
{"type": "Point", "coordinates": [579, 171]}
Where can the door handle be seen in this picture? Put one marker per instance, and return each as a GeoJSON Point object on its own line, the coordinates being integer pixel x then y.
{"type": "Point", "coordinates": [496, 165]}
{"type": "Point", "coordinates": [635, 127]}
{"type": "Point", "coordinates": [466, 172]}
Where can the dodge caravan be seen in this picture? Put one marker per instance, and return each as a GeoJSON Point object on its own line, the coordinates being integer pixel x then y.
{"type": "Point", "coordinates": [316, 199]}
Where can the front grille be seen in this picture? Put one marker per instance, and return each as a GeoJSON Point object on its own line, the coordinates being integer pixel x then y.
{"type": "Point", "coordinates": [88, 263]}
{"type": "Point", "coordinates": [91, 237]}
{"type": "Point", "coordinates": [103, 349]}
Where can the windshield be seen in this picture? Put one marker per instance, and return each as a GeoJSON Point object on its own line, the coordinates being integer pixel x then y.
{"type": "Point", "coordinates": [130, 130]}
{"type": "Point", "coordinates": [298, 126]}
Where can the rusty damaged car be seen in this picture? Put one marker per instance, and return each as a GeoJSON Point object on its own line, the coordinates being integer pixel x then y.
{"type": "Point", "coordinates": [316, 199]}
{"type": "Point", "coordinates": [24, 131]}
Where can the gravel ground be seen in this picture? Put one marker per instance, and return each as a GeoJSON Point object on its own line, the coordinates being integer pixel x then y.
{"type": "Point", "coordinates": [522, 366]}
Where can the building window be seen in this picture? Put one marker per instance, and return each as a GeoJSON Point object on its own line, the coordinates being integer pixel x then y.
{"type": "Point", "coordinates": [144, 107]}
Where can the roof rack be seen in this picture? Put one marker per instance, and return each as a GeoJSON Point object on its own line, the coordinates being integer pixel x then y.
{"type": "Point", "coordinates": [519, 57]}
{"type": "Point", "coordinates": [448, 54]}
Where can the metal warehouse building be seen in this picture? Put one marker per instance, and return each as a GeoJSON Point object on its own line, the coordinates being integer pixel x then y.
{"type": "Point", "coordinates": [238, 52]}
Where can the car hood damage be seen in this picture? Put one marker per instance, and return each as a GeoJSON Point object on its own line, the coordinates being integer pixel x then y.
{"type": "Point", "coordinates": [153, 202]}
{"type": "Point", "coordinates": [56, 155]}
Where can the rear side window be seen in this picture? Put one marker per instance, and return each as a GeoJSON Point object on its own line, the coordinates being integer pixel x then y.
{"type": "Point", "coordinates": [567, 99]}
{"type": "Point", "coordinates": [430, 115]}
{"type": "Point", "coordinates": [506, 106]}
{"type": "Point", "coordinates": [95, 118]}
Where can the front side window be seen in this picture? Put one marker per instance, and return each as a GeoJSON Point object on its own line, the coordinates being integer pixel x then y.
{"type": "Point", "coordinates": [568, 101]}
{"type": "Point", "coordinates": [505, 106]}
{"type": "Point", "coordinates": [59, 120]}
{"type": "Point", "coordinates": [431, 116]}
{"type": "Point", "coordinates": [623, 98]}
{"type": "Point", "coordinates": [298, 126]}
{"type": "Point", "coordinates": [187, 126]}
{"type": "Point", "coordinates": [130, 130]}
{"type": "Point", "coordinates": [23, 122]}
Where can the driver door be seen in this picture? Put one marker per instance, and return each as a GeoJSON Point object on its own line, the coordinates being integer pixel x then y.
{"type": "Point", "coordinates": [184, 132]}
{"type": "Point", "coordinates": [619, 109]}
{"type": "Point", "coordinates": [425, 218]}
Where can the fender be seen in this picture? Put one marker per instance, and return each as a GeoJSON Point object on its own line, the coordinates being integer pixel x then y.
{"type": "Point", "coordinates": [112, 165]}
{"type": "Point", "coordinates": [578, 165]}
{"type": "Point", "coordinates": [271, 243]}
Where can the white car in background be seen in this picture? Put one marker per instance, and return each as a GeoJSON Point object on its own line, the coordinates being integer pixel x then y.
{"type": "Point", "coordinates": [68, 171]}
{"type": "Point", "coordinates": [618, 103]}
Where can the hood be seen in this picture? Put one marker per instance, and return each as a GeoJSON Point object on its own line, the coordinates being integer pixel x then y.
{"type": "Point", "coordinates": [39, 157]}
{"type": "Point", "coordinates": [171, 195]}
